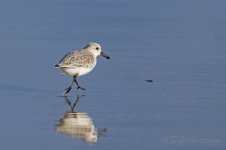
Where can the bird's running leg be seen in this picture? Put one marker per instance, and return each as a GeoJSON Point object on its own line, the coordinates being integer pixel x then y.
{"type": "Point", "coordinates": [67, 90]}
{"type": "Point", "coordinates": [79, 87]}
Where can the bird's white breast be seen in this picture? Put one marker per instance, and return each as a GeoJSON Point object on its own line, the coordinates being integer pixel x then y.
{"type": "Point", "coordinates": [78, 71]}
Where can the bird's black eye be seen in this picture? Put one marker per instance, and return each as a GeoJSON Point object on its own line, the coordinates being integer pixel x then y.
{"type": "Point", "coordinates": [97, 48]}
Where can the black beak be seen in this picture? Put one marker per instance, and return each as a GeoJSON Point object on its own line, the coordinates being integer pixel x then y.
{"type": "Point", "coordinates": [104, 55]}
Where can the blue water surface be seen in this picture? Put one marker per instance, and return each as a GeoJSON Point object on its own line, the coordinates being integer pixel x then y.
{"type": "Point", "coordinates": [180, 45]}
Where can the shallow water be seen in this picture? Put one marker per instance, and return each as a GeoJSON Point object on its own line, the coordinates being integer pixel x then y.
{"type": "Point", "coordinates": [179, 45]}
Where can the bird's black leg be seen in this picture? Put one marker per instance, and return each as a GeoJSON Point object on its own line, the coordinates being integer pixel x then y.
{"type": "Point", "coordinates": [79, 87]}
{"type": "Point", "coordinates": [67, 90]}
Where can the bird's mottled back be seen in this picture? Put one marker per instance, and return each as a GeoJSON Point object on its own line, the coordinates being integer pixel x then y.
{"type": "Point", "coordinates": [80, 58]}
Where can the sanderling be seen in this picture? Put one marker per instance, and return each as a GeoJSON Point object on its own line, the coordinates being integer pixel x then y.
{"type": "Point", "coordinates": [80, 62]}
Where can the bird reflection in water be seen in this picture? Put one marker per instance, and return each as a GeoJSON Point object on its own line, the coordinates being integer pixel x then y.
{"type": "Point", "coordinates": [78, 124]}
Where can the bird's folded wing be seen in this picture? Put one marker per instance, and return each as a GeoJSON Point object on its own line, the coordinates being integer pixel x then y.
{"type": "Point", "coordinates": [76, 59]}
{"type": "Point", "coordinates": [62, 60]}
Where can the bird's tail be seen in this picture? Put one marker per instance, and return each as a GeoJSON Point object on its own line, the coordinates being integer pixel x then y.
{"type": "Point", "coordinates": [56, 66]}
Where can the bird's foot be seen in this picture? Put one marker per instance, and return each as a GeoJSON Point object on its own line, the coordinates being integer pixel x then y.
{"type": "Point", "coordinates": [79, 87]}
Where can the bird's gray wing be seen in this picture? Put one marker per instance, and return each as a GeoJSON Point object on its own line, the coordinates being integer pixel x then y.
{"type": "Point", "coordinates": [65, 57]}
{"type": "Point", "coordinates": [62, 60]}
{"type": "Point", "coordinates": [76, 59]}
{"type": "Point", "coordinates": [82, 59]}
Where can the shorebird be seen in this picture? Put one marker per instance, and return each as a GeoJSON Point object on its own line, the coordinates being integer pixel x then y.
{"type": "Point", "coordinates": [80, 62]}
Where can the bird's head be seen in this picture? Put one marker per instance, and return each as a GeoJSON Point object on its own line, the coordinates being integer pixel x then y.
{"type": "Point", "coordinates": [95, 48]}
